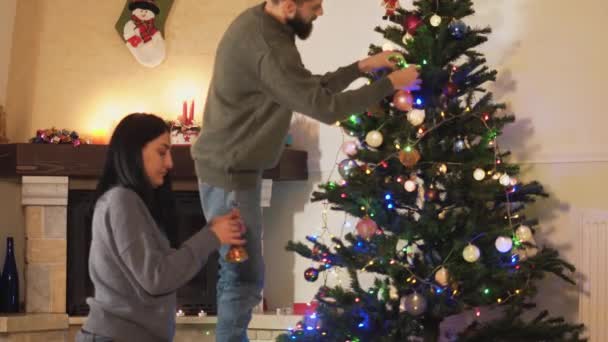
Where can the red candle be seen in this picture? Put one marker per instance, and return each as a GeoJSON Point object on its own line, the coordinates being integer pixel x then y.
{"type": "Point", "coordinates": [184, 112]}
{"type": "Point", "coordinates": [191, 117]}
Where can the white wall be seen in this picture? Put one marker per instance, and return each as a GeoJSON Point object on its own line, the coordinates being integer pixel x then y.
{"type": "Point", "coordinates": [552, 71]}
{"type": "Point", "coordinates": [7, 20]}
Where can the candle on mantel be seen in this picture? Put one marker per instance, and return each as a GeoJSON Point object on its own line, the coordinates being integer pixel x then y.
{"type": "Point", "coordinates": [191, 116]}
{"type": "Point", "coordinates": [184, 112]}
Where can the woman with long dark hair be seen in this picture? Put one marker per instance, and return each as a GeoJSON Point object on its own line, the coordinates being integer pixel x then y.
{"type": "Point", "coordinates": [134, 269]}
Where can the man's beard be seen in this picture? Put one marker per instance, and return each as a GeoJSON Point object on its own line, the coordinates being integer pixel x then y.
{"type": "Point", "coordinates": [301, 28]}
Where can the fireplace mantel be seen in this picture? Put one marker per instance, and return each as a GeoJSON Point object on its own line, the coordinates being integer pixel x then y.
{"type": "Point", "coordinates": [86, 161]}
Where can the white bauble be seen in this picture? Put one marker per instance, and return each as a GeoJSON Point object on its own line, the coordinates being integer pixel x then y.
{"type": "Point", "coordinates": [374, 138]}
{"type": "Point", "coordinates": [471, 253]}
{"type": "Point", "coordinates": [524, 233]}
{"type": "Point", "coordinates": [503, 244]}
{"type": "Point", "coordinates": [410, 186]}
{"type": "Point", "coordinates": [416, 117]}
{"type": "Point", "coordinates": [479, 174]}
{"type": "Point", "coordinates": [505, 180]}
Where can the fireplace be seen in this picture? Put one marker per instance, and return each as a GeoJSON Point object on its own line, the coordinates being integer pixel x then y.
{"type": "Point", "coordinates": [197, 295]}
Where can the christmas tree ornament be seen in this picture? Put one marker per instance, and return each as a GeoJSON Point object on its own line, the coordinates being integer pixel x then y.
{"type": "Point", "coordinates": [435, 20]}
{"type": "Point", "coordinates": [403, 100]}
{"type": "Point", "coordinates": [237, 254]}
{"type": "Point", "coordinates": [458, 29]}
{"type": "Point", "coordinates": [442, 169]}
{"type": "Point", "coordinates": [347, 167]}
{"type": "Point", "coordinates": [503, 244]}
{"type": "Point", "coordinates": [393, 293]}
{"type": "Point", "coordinates": [430, 195]}
{"type": "Point", "coordinates": [479, 174]}
{"type": "Point", "coordinates": [350, 148]}
{"type": "Point", "coordinates": [416, 117]}
{"type": "Point", "coordinates": [414, 304]}
{"type": "Point", "coordinates": [407, 37]}
{"type": "Point", "coordinates": [390, 7]}
{"type": "Point", "coordinates": [450, 89]}
{"type": "Point", "coordinates": [524, 233]}
{"type": "Point", "coordinates": [141, 26]}
{"type": "Point", "coordinates": [442, 276]}
{"type": "Point", "coordinates": [374, 139]}
{"type": "Point", "coordinates": [410, 186]}
{"type": "Point", "coordinates": [505, 180]}
{"type": "Point", "coordinates": [366, 228]}
{"type": "Point", "coordinates": [409, 158]}
{"type": "Point", "coordinates": [471, 253]}
{"type": "Point", "coordinates": [412, 22]}
{"type": "Point", "coordinates": [311, 274]}
{"type": "Point", "coordinates": [459, 145]}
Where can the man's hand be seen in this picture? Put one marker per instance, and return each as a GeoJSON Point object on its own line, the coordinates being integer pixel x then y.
{"type": "Point", "coordinates": [405, 79]}
{"type": "Point", "coordinates": [385, 59]}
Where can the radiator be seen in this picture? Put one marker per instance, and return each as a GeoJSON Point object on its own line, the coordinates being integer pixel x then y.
{"type": "Point", "coordinates": [592, 262]}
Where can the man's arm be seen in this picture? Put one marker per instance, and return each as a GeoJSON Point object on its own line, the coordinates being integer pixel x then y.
{"type": "Point", "coordinates": [338, 80]}
{"type": "Point", "coordinates": [285, 78]}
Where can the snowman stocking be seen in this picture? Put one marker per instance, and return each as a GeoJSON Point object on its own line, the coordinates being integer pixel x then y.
{"type": "Point", "coordinates": [142, 26]}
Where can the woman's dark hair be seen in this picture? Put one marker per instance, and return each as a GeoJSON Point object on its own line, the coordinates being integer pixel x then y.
{"type": "Point", "coordinates": [124, 166]}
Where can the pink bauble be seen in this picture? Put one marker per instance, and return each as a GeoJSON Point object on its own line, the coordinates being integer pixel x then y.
{"type": "Point", "coordinates": [403, 100]}
{"type": "Point", "coordinates": [366, 228]}
{"type": "Point", "coordinates": [349, 148]}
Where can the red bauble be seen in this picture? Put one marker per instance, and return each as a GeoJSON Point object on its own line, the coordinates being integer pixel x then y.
{"type": "Point", "coordinates": [403, 100]}
{"type": "Point", "coordinates": [366, 228]}
{"type": "Point", "coordinates": [450, 89]}
{"type": "Point", "coordinates": [411, 23]}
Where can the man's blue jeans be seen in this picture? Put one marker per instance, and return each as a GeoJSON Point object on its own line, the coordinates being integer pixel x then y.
{"type": "Point", "coordinates": [239, 288]}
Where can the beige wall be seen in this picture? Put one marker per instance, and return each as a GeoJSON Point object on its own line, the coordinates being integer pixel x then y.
{"type": "Point", "coordinates": [75, 72]}
{"type": "Point", "coordinates": [7, 19]}
{"type": "Point", "coordinates": [11, 223]}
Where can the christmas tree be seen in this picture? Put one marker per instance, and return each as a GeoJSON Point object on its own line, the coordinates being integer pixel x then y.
{"type": "Point", "coordinates": [440, 209]}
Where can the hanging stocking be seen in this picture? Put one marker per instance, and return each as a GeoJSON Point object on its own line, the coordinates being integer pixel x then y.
{"type": "Point", "coordinates": [141, 26]}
